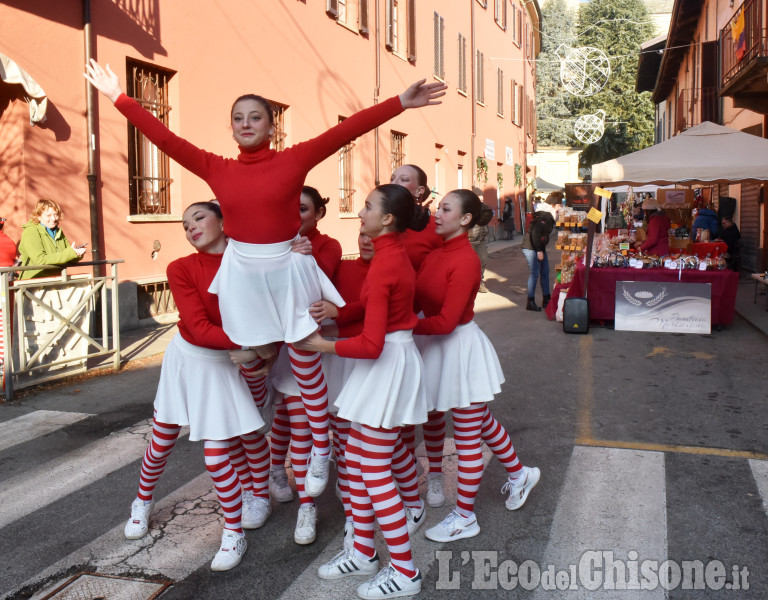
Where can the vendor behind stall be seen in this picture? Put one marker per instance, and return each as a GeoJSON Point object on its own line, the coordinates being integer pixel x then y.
{"type": "Point", "coordinates": [657, 231]}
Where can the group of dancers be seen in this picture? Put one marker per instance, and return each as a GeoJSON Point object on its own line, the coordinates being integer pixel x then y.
{"type": "Point", "coordinates": [397, 348]}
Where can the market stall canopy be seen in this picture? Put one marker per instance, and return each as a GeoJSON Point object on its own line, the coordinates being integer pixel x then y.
{"type": "Point", "coordinates": [707, 153]}
{"type": "Point", "coordinates": [10, 72]}
{"type": "Point", "coordinates": [542, 185]}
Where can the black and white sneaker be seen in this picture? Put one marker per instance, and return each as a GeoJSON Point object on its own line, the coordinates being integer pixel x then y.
{"type": "Point", "coordinates": [390, 583]}
{"type": "Point", "coordinates": [345, 563]}
{"type": "Point", "coordinates": [414, 517]}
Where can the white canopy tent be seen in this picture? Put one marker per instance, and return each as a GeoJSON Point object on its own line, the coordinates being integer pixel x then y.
{"type": "Point", "coordinates": [706, 153]}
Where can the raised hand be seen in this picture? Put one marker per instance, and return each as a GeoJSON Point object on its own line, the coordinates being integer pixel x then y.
{"type": "Point", "coordinates": [423, 94]}
{"type": "Point", "coordinates": [103, 80]}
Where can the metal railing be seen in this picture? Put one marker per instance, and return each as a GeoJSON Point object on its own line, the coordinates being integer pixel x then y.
{"type": "Point", "coordinates": [49, 324]}
{"type": "Point", "coordinates": [755, 40]}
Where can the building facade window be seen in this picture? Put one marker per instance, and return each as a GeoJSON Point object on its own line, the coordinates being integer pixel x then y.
{"type": "Point", "coordinates": [278, 139]}
{"type": "Point", "coordinates": [148, 167]}
{"type": "Point", "coordinates": [500, 13]}
{"type": "Point", "coordinates": [439, 26]}
{"type": "Point", "coordinates": [479, 79]}
{"type": "Point", "coordinates": [346, 178]}
{"type": "Point", "coordinates": [397, 142]}
{"type": "Point", "coordinates": [500, 92]}
{"type": "Point", "coordinates": [462, 63]}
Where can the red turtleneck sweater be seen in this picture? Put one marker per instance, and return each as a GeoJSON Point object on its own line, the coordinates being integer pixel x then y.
{"type": "Point", "coordinates": [387, 294]}
{"type": "Point", "coordinates": [349, 280]}
{"type": "Point", "coordinates": [326, 250]}
{"type": "Point", "coordinates": [199, 317]}
{"type": "Point", "coordinates": [418, 244]}
{"type": "Point", "coordinates": [260, 191]}
{"type": "Point", "coordinates": [446, 287]}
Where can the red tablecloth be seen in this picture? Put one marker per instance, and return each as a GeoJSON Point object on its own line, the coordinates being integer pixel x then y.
{"type": "Point", "coordinates": [602, 288]}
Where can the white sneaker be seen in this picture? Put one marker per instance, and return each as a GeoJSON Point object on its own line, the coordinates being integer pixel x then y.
{"type": "Point", "coordinates": [453, 527]}
{"type": "Point", "coordinates": [414, 518]}
{"type": "Point", "coordinates": [435, 492]}
{"type": "Point", "coordinates": [256, 510]}
{"type": "Point", "coordinates": [317, 474]}
{"type": "Point", "coordinates": [138, 525]}
{"type": "Point", "coordinates": [306, 522]}
{"type": "Point", "coordinates": [233, 546]}
{"type": "Point", "coordinates": [279, 487]}
{"type": "Point", "coordinates": [520, 488]}
{"type": "Point", "coordinates": [346, 563]}
{"type": "Point", "coordinates": [390, 583]}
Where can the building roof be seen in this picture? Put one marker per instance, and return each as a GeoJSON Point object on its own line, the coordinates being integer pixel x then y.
{"type": "Point", "coordinates": [649, 63]}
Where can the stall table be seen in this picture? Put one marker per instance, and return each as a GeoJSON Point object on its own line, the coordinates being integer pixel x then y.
{"type": "Point", "coordinates": [602, 288]}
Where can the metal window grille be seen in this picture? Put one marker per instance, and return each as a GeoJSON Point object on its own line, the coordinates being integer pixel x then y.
{"type": "Point", "coordinates": [362, 16]}
{"type": "Point", "coordinates": [462, 63]}
{"type": "Point", "coordinates": [397, 141]}
{"type": "Point", "coordinates": [346, 178]}
{"type": "Point", "coordinates": [278, 139]}
{"type": "Point", "coordinates": [155, 298]}
{"type": "Point", "coordinates": [480, 80]}
{"type": "Point", "coordinates": [439, 26]}
{"type": "Point", "coordinates": [148, 167]}
{"type": "Point", "coordinates": [500, 92]}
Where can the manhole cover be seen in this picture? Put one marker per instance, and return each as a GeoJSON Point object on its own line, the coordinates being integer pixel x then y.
{"type": "Point", "coordinates": [87, 586]}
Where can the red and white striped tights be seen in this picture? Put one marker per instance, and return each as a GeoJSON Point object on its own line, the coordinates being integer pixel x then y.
{"type": "Point", "coordinates": [374, 495]}
{"type": "Point", "coordinates": [155, 458]}
{"type": "Point", "coordinates": [471, 426]}
{"type": "Point", "coordinates": [300, 443]}
{"type": "Point", "coordinates": [225, 481]}
{"type": "Point", "coordinates": [341, 428]}
{"type": "Point", "coordinates": [434, 439]}
{"type": "Point", "coordinates": [249, 455]}
{"type": "Point", "coordinates": [307, 368]}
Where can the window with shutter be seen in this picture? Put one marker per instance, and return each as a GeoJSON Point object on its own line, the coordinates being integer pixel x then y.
{"type": "Point", "coordinates": [500, 13]}
{"type": "Point", "coordinates": [332, 8]}
{"type": "Point", "coordinates": [391, 25]}
{"type": "Point", "coordinates": [346, 178]}
{"type": "Point", "coordinates": [397, 142]}
{"type": "Point", "coordinates": [479, 79]}
{"type": "Point", "coordinates": [439, 29]}
{"type": "Point", "coordinates": [411, 31]}
{"type": "Point", "coordinates": [500, 92]}
{"type": "Point", "coordinates": [519, 28]}
{"type": "Point", "coordinates": [513, 96]}
{"type": "Point", "coordinates": [462, 63]}
{"type": "Point", "coordinates": [362, 16]}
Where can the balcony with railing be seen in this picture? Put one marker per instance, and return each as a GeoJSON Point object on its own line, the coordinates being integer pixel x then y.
{"type": "Point", "coordinates": [694, 106]}
{"type": "Point", "coordinates": [744, 57]}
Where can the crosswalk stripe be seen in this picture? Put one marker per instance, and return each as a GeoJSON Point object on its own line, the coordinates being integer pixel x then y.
{"type": "Point", "coordinates": [35, 424]}
{"type": "Point", "coordinates": [185, 532]}
{"type": "Point", "coordinates": [760, 473]}
{"type": "Point", "coordinates": [422, 549]}
{"type": "Point", "coordinates": [45, 483]}
{"type": "Point", "coordinates": [612, 499]}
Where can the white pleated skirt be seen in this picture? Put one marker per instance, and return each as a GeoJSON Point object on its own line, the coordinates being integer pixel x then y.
{"type": "Point", "coordinates": [203, 388]}
{"type": "Point", "coordinates": [337, 370]}
{"type": "Point", "coordinates": [386, 392]}
{"type": "Point", "coordinates": [460, 368]}
{"type": "Point", "coordinates": [265, 291]}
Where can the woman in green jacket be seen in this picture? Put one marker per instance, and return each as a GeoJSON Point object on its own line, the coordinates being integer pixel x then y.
{"type": "Point", "coordinates": [44, 243]}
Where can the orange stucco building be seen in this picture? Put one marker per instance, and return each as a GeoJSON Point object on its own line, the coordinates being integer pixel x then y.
{"type": "Point", "coordinates": [317, 61]}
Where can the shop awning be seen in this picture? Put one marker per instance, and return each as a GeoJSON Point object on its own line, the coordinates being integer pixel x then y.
{"type": "Point", "coordinates": [542, 185]}
{"type": "Point", "coordinates": [706, 153]}
{"type": "Point", "coordinates": [12, 73]}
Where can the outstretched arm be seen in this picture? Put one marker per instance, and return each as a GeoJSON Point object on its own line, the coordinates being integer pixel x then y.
{"type": "Point", "coordinates": [423, 94]}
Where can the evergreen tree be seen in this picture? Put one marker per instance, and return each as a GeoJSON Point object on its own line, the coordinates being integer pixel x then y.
{"type": "Point", "coordinates": [553, 104]}
{"type": "Point", "coordinates": [617, 27]}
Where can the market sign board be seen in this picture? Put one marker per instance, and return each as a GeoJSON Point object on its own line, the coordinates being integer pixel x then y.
{"type": "Point", "coordinates": [666, 307]}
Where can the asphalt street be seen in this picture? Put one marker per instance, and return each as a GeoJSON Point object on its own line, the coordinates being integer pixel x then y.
{"type": "Point", "coordinates": [653, 450]}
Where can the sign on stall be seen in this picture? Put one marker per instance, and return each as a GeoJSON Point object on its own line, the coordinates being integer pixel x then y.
{"type": "Point", "coordinates": [668, 307]}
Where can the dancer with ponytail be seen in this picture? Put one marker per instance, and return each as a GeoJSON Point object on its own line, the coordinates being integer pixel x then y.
{"type": "Point", "coordinates": [201, 386]}
{"type": "Point", "coordinates": [386, 352]}
{"type": "Point", "coordinates": [462, 371]}
{"type": "Point", "coordinates": [259, 195]}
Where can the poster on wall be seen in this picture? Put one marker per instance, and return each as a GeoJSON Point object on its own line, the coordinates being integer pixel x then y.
{"type": "Point", "coordinates": [665, 307]}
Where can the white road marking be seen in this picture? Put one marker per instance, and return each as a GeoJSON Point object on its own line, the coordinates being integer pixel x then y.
{"type": "Point", "coordinates": [760, 473]}
{"type": "Point", "coordinates": [35, 424]}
